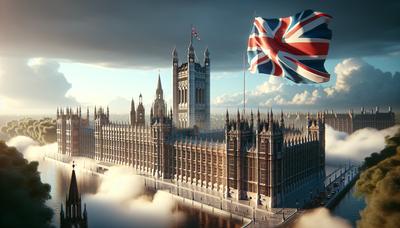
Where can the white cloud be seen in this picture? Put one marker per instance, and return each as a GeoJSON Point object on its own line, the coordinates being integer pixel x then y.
{"type": "Point", "coordinates": [34, 85]}
{"type": "Point", "coordinates": [120, 105]}
{"type": "Point", "coordinates": [120, 200]}
{"type": "Point", "coordinates": [343, 147]}
{"type": "Point", "coordinates": [344, 72]}
{"type": "Point", "coordinates": [321, 217]}
{"type": "Point", "coordinates": [357, 84]}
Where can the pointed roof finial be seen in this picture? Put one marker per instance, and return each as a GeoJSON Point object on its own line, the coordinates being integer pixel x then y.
{"type": "Point", "coordinates": [175, 53]}
{"type": "Point", "coordinates": [73, 195]}
{"type": "Point", "coordinates": [206, 53]}
{"type": "Point", "coordinates": [159, 87]}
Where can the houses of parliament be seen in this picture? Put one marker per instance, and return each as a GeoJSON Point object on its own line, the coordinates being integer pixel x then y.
{"type": "Point", "coordinates": [258, 158]}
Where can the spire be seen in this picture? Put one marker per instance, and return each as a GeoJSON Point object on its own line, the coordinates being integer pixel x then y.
{"type": "Point", "coordinates": [62, 212]}
{"type": "Point", "coordinates": [95, 113]}
{"type": "Point", "coordinates": [140, 98]}
{"type": "Point", "coordinates": [175, 53]}
{"type": "Point", "coordinates": [159, 81]}
{"type": "Point", "coordinates": [206, 53]}
{"type": "Point", "coordinates": [159, 91]}
{"type": "Point", "coordinates": [251, 118]}
{"type": "Point", "coordinates": [272, 116]}
{"type": "Point", "coordinates": [73, 196]}
{"type": "Point", "coordinates": [191, 54]}
{"type": "Point", "coordinates": [227, 118]}
{"type": "Point", "coordinates": [84, 211]}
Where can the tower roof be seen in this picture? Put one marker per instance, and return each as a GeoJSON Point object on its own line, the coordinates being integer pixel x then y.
{"type": "Point", "coordinates": [159, 87]}
{"type": "Point", "coordinates": [73, 195]}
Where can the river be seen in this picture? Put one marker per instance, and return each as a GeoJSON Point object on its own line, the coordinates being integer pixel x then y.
{"type": "Point", "coordinates": [58, 176]}
{"type": "Point", "coordinates": [349, 206]}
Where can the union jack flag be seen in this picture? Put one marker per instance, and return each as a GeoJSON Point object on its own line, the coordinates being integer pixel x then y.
{"type": "Point", "coordinates": [195, 33]}
{"type": "Point", "coordinates": [293, 47]}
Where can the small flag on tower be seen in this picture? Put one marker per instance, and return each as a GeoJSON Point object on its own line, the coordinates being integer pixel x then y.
{"type": "Point", "coordinates": [195, 33]}
{"type": "Point", "coordinates": [293, 47]}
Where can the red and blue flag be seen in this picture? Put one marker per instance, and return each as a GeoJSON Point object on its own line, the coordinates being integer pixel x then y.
{"type": "Point", "coordinates": [292, 47]}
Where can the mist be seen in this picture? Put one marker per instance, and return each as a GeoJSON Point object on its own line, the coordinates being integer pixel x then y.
{"type": "Point", "coordinates": [321, 217]}
{"type": "Point", "coordinates": [120, 199]}
{"type": "Point", "coordinates": [341, 147]}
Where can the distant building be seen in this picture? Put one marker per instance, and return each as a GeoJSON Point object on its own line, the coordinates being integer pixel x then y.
{"type": "Point", "coordinates": [191, 90]}
{"type": "Point", "coordinates": [73, 216]}
{"type": "Point", "coordinates": [351, 122]}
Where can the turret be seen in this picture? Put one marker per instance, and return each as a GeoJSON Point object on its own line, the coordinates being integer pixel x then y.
{"type": "Point", "coordinates": [175, 56]}
{"type": "Point", "coordinates": [73, 217]}
{"type": "Point", "coordinates": [140, 113]}
{"type": "Point", "coordinates": [95, 113]}
{"type": "Point", "coordinates": [84, 212]}
{"type": "Point", "coordinates": [191, 54]}
{"type": "Point", "coordinates": [159, 91]}
{"type": "Point", "coordinates": [62, 213]}
{"type": "Point", "coordinates": [206, 58]}
{"type": "Point", "coordinates": [133, 113]}
{"type": "Point", "coordinates": [251, 120]}
{"type": "Point", "coordinates": [175, 92]}
{"type": "Point", "coordinates": [151, 114]}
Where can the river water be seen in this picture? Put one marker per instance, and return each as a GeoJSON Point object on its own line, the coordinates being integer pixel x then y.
{"type": "Point", "coordinates": [58, 176]}
{"type": "Point", "coordinates": [349, 206]}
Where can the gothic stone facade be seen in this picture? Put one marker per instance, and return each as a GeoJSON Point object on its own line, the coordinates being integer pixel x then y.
{"type": "Point", "coordinates": [191, 91]}
{"type": "Point", "coordinates": [259, 160]}
{"type": "Point", "coordinates": [351, 122]}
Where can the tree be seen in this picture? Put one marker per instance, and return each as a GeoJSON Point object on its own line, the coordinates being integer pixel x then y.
{"type": "Point", "coordinates": [22, 194]}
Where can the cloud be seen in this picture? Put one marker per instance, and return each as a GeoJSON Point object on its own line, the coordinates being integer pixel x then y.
{"type": "Point", "coordinates": [31, 150]}
{"type": "Point", "coordinates": [321, 217]}
{"type": "Point", "coordinates": [121, 197]}
{"type": "Point", "coordinates": [143, 34]}
{"type": "Point", "coordinates": [341, 146]}
{"type": "Point", "coordinates": [35, 86]}
{"type": "Point", "coordinates": [357, 84]}
{"type": "Point", "coordinates": [120, 105]}
{"type": "Point", "coordinates": [120, 200]}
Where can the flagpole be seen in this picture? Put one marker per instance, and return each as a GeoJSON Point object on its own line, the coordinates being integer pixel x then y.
{"type": "Point", "coordinates": [191, 34]}
{"type": "Point", "coordinates": [244, 75]}
{"type": "Point", "coordinates": [244, 84]}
